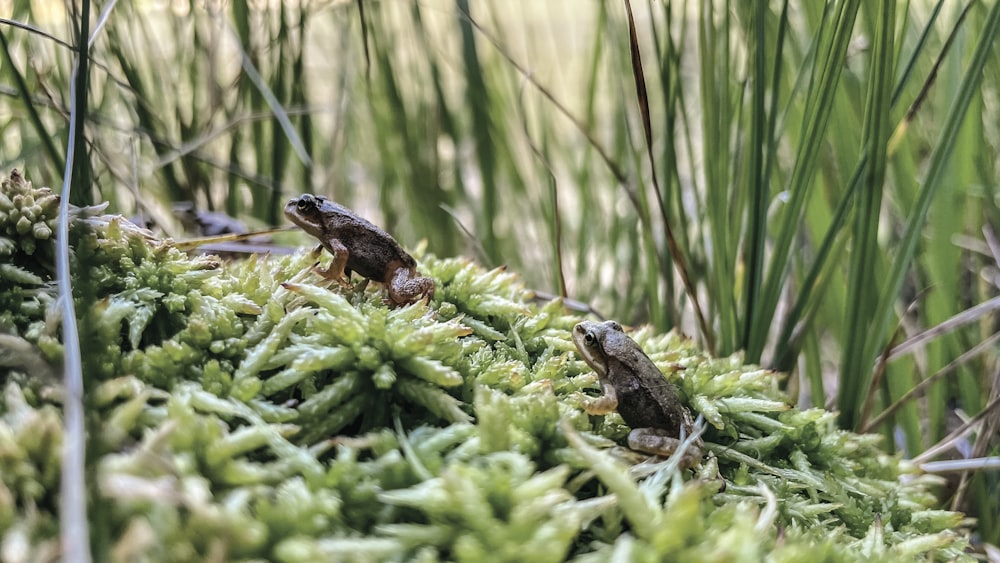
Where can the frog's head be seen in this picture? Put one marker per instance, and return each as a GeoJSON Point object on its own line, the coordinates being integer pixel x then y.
{"type": "Point", "coordinates": [596, 342]}
{"type": "Point", "coordinates": [313, 213]}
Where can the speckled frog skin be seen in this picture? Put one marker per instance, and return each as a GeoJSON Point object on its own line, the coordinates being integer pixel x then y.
{"type": "Point", "coordinates": [359, 246]}
{"type": "Point", "coordinates": [636, 388]}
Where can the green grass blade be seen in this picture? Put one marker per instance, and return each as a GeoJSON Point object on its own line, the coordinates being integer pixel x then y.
{"type": "Point", "coordinates": [827, 255]}
{"type": "Point", "coordinates": [73, 508]}
{"type": "Point", "coordinates": [818, 109]}
{"type": "Point", "coordinates": [758, 187]}
{"type": "Point", "coordinates": [861, 296]}
{"type": "Point", "coordinates": [926, 34]}
{"type": "Point", "coordinates": [478, 100]}
{"type": "Point", "coordinates": [882, 316]}
{"type": "Point", "coordinates": [102, 19]}
{"type": "Point", "coordinates": [675, 252]}
{"type": "Point", "coordinates": [723, 220]}
{"type": "Point", "coordinates": [794, 323]}
{"type": "Point", "coordinates": [25, 94]}
{"type": "Point", "coordinates": [299, 86]}
{"type": "Point", "coordinates": [280, 114]}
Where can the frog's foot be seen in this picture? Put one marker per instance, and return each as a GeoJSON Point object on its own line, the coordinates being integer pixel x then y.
{"type": "Point", "coordinates": [327, 273]}
{"type": "Point", "coordinates": [660, 442]}
{"type": "Point", "coordinates": [337, 266]}
{"type": "Point", "coordinates": [604, 404]}
{"type": "Point", "coordinates": [331, 274]}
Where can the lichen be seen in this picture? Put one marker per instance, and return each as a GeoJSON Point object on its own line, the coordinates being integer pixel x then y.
{"type": "Point", "coordinates": [252, 410]}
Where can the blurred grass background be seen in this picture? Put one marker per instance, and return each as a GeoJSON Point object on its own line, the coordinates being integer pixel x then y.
{"type": "Point", "coordinates": [828, 171]}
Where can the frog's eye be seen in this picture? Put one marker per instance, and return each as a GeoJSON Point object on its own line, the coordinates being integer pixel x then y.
{"type": "Point", "coordinates": [589, 339]}
{"type": "Point", "coordinates": [302, 204]}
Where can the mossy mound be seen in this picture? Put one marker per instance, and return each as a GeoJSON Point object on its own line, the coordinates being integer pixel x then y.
{"type": "Point", "coordinates": [250, 411]}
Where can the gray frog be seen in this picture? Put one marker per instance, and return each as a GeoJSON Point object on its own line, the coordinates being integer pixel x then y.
{"type": "Point", "coordinates": [635, 387]}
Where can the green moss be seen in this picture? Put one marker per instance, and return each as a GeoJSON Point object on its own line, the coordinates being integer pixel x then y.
{"type": "Point", "coordinates": [251, 410]}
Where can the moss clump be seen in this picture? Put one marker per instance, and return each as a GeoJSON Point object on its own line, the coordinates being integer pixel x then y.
{"type": "Point", "coordinates": [251, 411]}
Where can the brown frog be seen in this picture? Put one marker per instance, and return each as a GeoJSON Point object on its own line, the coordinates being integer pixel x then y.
{"type": "Point", "coordinates": [634, 386]}
{"type": "Point", "coordinates": [359, 246]}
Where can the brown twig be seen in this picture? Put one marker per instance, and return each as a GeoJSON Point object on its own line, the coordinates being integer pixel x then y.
{"type": "Point", "coordinates": [647, 129]}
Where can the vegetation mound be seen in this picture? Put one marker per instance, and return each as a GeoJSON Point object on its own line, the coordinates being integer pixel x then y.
{"type": "Point", "coordinates": [249, 410]}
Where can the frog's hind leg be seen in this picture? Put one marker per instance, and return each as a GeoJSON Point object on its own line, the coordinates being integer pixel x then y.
{"type": "Point", "coordinates": [659, 442]}
{"type": "Point", "coordinates": [406, 286]}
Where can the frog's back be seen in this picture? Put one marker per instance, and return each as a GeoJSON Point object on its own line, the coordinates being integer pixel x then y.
{"type": "Point", "coordinates": [652, 408]}
{"type": "Point", "coordinates": [373, 253]}
{"type": "Point", "coordinates": [648, 400]}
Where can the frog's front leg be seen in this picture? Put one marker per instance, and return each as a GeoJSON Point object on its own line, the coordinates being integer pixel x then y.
{"type": "Point", "coordinates": [336, 269]}
{"type": "Point", "coordinates": [659, 442]}
{"type": "Point", "coordinates": [604, 404]}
